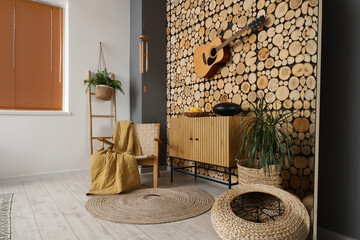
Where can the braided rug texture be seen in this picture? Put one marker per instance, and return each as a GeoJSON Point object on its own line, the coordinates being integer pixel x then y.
{"type": "Point", "coordinates": [5, 214]}
{"type": "Point", "coordinates": [151, 206]}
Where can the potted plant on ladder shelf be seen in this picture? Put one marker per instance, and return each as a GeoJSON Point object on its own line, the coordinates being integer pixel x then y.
{"type": "Point", "coordinates": [103, 81]}
{"type": "Point", "coordinates": [105, 85]}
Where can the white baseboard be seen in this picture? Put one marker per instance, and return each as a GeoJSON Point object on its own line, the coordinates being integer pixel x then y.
{"type": "Point", "coordinates": [326, 234]}
{"type": "Point", "coordinates": [40, 176]}
{"type": "Point", "coordinates": [61, 173]}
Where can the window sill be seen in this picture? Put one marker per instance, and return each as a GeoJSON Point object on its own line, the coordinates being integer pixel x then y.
{"type": "Point", "coordinates": [35, 113]}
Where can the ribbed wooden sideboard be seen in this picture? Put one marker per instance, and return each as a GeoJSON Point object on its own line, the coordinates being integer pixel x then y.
{"type": "Point", "coordinates": [208, 140]}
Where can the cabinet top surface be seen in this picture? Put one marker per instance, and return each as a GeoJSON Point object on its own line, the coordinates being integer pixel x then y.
{"type": "Point", "coordinates": [182, 117]}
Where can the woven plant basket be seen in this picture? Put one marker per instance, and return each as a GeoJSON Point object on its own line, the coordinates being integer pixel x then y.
{"type": "Point", "coordinates": [104, 92]}
{"type": "Point", "coordinates": [277, 214]}
{"type": "Point", "coordinates": [255, 175]}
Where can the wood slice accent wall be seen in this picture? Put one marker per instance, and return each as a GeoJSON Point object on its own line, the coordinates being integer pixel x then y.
{"type": "Point", "coordinates": [278, 61]}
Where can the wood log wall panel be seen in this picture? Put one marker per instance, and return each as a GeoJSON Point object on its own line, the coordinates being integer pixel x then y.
{"type": "Point", "coordinates": [278, 61]}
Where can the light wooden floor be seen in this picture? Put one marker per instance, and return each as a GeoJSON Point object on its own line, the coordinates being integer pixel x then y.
{"type": "Point", "coordinates": [54, 209]}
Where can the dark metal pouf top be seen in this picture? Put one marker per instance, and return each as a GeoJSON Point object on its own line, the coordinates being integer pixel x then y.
{"type": "Point", "coordinates": [258, 207]}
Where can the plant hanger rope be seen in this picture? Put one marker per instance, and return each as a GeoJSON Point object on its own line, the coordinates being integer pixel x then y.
{"type": "Point", "coordinates": [102, 63]}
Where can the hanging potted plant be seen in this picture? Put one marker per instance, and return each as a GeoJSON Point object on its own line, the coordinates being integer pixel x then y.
{"type": "Point", "coordinates": [264, 144]}
{"type": "Point", "coordinates": [104, 85]}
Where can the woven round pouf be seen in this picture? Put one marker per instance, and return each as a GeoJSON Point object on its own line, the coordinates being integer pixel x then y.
{"type": "Point", "coordinates": [259, 211]}
{"type": "Point", "coordinates": [151, 206]}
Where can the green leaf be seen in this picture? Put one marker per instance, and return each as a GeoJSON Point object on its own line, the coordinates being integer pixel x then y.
{"type": "Point", "coordinates": [265, 137]}
{"type": "Point", "coordinates": [103, 78]}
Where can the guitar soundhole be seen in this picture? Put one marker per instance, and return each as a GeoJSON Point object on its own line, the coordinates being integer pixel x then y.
{"type": "Point", "coordinates": [213, 52]}
{"type": "Point", "coordinates": [210, 61]}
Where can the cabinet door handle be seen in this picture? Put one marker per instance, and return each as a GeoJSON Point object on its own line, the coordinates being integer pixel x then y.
{"type": "Point", "coordinates": [191, 139]}
{"type": "Point", "coordinates": [196, 139]}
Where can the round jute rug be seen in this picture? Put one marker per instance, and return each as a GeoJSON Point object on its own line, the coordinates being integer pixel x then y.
{"type": "Point", "coordinates": [151, 206]}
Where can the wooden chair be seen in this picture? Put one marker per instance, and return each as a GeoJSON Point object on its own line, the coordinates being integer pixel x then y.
{"type": "Point", "coordinates": [148, 135]}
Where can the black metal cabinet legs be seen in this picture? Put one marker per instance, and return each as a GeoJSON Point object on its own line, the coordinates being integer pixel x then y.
{"type": "Point", "coordinates": [195, 174]}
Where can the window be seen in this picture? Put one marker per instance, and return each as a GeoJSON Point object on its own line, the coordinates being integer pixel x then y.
{"type": "Point", "coordinates": [31, 68]}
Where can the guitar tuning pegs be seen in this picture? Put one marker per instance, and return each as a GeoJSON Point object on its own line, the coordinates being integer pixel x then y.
{"type": "Point", "coordinates": [261, 19]}
{"type": "Point", "coordinates": [258, 21]}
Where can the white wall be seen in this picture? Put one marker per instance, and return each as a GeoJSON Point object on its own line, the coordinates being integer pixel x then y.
{"type": "Point", "coordinates": [42, 144]}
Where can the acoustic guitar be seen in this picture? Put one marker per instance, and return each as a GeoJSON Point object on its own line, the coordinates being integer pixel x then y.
{"type": "Point", "coordinates": [209, 57]}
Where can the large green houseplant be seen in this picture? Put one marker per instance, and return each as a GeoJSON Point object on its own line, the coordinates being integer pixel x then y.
{"type": "Point", "coordinates": [105, 86]}
{"type": "Point", "coordinates": [264, 145]}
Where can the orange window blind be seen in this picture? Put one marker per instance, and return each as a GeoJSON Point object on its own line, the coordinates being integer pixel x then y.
{"type": "Point", "coordinates": [6, 54]}
{"type": "Point", "coordinates": [31, 40]}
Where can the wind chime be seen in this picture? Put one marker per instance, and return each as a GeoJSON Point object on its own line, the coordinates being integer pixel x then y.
{"type": "Point", "coordinates": [144, 55]}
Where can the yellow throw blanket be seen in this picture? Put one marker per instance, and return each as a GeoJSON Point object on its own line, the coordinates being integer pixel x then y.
{"type": "Point", "coordinates": [114, 170]}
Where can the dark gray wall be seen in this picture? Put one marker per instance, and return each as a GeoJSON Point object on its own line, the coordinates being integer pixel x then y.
{"type": "Point", "coordinates": [154, 101]}
{"type": "Point", "coordinates": [339, 170]}
{"type": "Point", "coordinates": [135, 76]}
{"type": "Point", "coordinates": [149, 107]}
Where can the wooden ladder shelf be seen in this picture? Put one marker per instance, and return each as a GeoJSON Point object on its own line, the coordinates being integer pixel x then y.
{"type": "Point", "coordinates": [91, 116]}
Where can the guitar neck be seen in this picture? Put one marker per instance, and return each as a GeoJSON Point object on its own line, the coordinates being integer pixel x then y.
{"type": "Point", "coordinates": [234, 36]}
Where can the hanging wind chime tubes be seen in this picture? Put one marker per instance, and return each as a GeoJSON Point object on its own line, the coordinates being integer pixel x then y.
{"type": "Point", "coordinates": [144, 53]}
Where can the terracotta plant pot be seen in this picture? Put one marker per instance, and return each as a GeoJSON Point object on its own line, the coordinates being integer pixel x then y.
{"type": "Point", "coordinates": [104, 92]}
{"type": "Point", "coordinates": [254, 174]}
